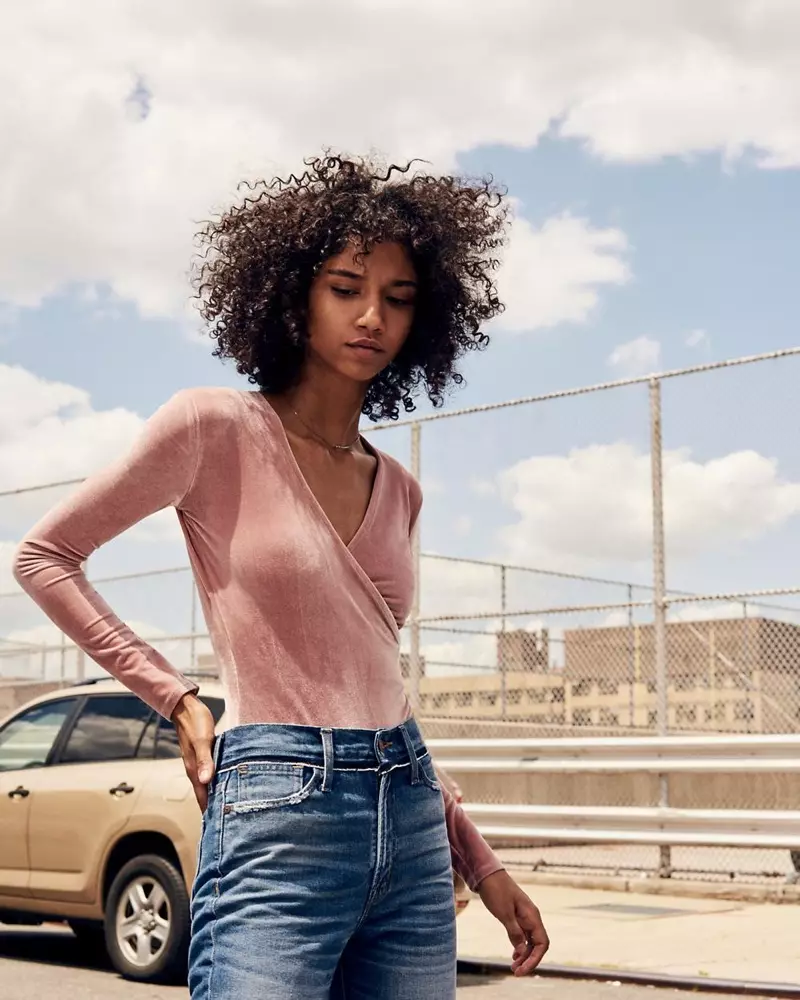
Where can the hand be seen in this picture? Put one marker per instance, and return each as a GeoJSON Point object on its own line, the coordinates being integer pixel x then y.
{"type": "Point", "coordinates": [195, 726]}
{"type": "Point", "coordinates": [504, 899]}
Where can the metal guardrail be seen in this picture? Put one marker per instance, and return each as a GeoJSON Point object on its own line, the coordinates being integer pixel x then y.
{"type": "Point", "coordinates": [661, 825]}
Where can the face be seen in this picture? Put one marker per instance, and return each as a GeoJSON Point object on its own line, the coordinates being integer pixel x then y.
{"type": "Point", "coordinates": [360, 311]}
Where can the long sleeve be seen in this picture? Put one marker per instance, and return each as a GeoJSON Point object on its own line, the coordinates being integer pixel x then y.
{"type": "Point", "coordinates": [472, 857]}
{"type": "Point", "coordinates": [48, 564]}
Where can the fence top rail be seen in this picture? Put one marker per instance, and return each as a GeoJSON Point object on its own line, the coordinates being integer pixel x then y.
{"type": "Point", "coordinates": [521, 401]}
{"type": "Point", "coordinates": [713, 745]}
{"type": "Point", "coordinates": [659, 814]}
{"type": "Point", "coordinates": [665, 764]}
{"type": "Point", "coordinates": [596, 387]}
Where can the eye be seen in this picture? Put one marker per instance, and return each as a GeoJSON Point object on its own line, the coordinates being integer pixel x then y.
{"type": "Point", "coordinates": [400, 302]}
{"type": "Point", "coordinates": [344, 292]}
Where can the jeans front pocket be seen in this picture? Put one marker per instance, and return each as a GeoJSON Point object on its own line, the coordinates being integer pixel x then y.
{"type": "Point", "coordinates": [255, 787]}
{"type": "Point", "coordinates": [427, 773]}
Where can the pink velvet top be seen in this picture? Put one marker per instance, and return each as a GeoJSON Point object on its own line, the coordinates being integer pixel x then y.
{"type": "Point", "coordinates": [305, 628]}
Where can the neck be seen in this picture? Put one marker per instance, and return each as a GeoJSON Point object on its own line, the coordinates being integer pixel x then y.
{"type": "Point", "coordinates": [330, 404]}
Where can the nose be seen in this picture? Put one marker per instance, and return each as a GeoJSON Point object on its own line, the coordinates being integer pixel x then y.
{"type": "Point", "coordinates": [372, 318]}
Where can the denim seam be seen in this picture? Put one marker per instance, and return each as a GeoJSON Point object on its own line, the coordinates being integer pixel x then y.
{"type": "Point", "coordinates": [273, 764]}
{"type": "Point", "coordinates": [305, 763]}
{"type": "Point", "coordinates": [216, 889]}
{"type": "Point", "coordinates": [261, 805]}
{"type": "Point", "coordinates": [378, 877]}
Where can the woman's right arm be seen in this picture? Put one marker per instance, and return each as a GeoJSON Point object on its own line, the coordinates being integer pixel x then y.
{"type": "Point", "coordinates": [158, 472]}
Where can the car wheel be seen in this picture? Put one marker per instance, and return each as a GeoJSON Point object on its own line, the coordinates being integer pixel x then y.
{"type": "Point", "coordinates": [796, 860]}
{"type": "Point", "coordinates": [147, 920]}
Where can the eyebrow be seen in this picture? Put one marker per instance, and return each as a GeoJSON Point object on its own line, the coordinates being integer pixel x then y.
{"type": "Point", "coordinates": [341, 272]}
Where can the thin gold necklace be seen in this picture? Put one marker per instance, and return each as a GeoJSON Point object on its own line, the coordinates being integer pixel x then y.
{"type": "Point", "coordinates": [322, 440]}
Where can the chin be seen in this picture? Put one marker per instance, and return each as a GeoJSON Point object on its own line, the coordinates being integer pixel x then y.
{"type": "Point", "coordinates": [363, 374]}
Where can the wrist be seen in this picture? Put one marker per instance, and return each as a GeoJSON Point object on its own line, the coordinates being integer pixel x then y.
{"type": "Point", "coordinates": [493, 879]}
{"type": "Point", "coordinates": [185, 706]}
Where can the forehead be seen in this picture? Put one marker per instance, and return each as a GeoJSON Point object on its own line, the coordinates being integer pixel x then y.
{"type": "Point", "coordinates": [382, 258]}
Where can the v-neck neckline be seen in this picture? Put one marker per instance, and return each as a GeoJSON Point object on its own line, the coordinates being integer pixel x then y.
{"type": "Point", "coordinates": [377, 481]}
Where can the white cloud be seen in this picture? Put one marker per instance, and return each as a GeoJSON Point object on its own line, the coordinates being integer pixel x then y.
{"type": "Point", "coordinates": [707, 611]}
{"type": "Point", "coordinates": [553, 274]}
{"type": "Point", "coordinates": [131, 123]}
{"type": "Point", "coordinates": [482, 487]}
{"type": "Point", "coordinates": [463, 525]}
{"type": "Point", "coordinates": [459, 587]}
{"type": "Point", "coordinates": [8, 315]}
{"type": "Point", "coordinates": [594, 504]}
{"type": "Point", "coordinates": [49, 432]}
{"type": "Point", "coordinates": [637, 357]}
{"type": "Point", "coordinates": [465, 655]}
{"type": "Point", "coordinates": [614, 619]}
{"type": "Point", "coordinates": [697, 338]}
{"type": "Point", "coordinates": [7, 582]}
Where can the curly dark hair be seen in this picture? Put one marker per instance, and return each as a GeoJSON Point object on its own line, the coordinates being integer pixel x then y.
{"type": "Point", "coordinates": [259, 257]}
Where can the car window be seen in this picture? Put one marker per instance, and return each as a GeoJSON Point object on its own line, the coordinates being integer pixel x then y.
{"type": "Point", "coordinates": [167, 738]}
{"type": "Point", "coordinates": [109, 727]}
{"type": "Point", "coordinates": [27, 740]}
{"type": "Point", "coordinates": [147, 744]}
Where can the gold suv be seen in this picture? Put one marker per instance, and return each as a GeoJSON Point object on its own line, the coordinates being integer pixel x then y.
{"type": "Point", "coordinates": [99, 825]}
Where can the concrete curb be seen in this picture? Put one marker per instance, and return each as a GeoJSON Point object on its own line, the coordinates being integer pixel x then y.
{"type": "Point", "coordinates": [697, 984]}
{"type": "Point", "coordinates": [783, 893]}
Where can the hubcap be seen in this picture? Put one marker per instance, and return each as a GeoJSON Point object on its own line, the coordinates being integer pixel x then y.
{"type": "Point", "coordinates": [143, 921]}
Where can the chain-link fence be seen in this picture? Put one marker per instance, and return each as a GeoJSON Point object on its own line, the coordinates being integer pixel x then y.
{"type": "Point", "coordinates": [544, 605]}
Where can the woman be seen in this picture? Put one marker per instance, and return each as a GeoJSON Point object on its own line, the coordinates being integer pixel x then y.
{"type": "Point", "coordinates": [325, 861]}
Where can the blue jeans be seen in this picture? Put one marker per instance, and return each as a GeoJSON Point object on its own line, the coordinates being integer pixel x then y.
{"type": "Point", "coordinates": [324, 869]}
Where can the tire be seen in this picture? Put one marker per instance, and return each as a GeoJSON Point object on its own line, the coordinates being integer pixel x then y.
{"type": "Point", "coordinates": [147, 921]}
{"type": "Point", "coordinates": [796, 860]}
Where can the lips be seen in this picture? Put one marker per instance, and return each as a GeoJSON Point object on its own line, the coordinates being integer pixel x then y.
{"type": "Point", "coordinates": [366, 345]}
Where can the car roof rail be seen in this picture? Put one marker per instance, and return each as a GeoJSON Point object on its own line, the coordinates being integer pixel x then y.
{"type": "Point", "coordinates": [92, 680]}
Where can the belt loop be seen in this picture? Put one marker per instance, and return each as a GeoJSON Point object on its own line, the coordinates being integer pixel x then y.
{"type": "Point", "coordinates": [327, 757]}
{"type": "Point", "coordinates": [216, 752]}
{"type": "Point", "coordinates": [412, 754]}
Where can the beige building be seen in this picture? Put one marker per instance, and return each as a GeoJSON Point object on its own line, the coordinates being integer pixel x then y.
{"type": "Point", "coordinates": [738, 675]}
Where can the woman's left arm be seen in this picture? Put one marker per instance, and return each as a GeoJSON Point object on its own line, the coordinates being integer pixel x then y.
{"type": "Point", "coordinates": [477, 863]}
{"type": "Point", "coordinates": [483, 872]}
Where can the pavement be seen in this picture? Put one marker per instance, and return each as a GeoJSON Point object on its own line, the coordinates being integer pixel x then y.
{"type": "Point", "coordinates": [49, 962]}
{"type": "Point", "coordinates": [668, 935]}
{"type": "Point", "coordinates": [617, 932]}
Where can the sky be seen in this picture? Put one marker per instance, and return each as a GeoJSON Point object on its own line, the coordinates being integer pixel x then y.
{"type": "Point", "coordinates": [652, 152]}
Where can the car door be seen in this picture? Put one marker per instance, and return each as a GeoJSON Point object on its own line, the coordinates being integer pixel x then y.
{"type": "Point", "coordinates": [84, 799]}
{"type": "Point", "coordinates": [26, 745]}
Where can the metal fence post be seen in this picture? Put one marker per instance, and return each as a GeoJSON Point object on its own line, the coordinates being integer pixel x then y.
{"type": "Point", "coordinates": [503, 646]}
{"type": "Point", "coordinates": [659, 600]}
{"type": "Point", "coordinates": [415, 664]}
{"type": "Point", "coordinates": [631, 662]}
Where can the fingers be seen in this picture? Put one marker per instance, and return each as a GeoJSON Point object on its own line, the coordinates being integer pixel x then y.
{"type": "Point", "coordinates": [521, 942]}
{"type": "Point", "coordinates": [195, 726]}
{"type": "Point", "coordinates": [205, 760]}
{"type": "Point", "coordinates": [517, 936]}
{"type": "Point", "coordinates": [201, 794]}
{"type": "Point", "coordinates": [199, 765]}
{"type": "Point", "coordinates": [537, 941]}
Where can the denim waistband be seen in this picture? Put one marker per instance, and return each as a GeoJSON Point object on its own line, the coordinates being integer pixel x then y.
{"type": "Point", "coordinates": [320, 746]}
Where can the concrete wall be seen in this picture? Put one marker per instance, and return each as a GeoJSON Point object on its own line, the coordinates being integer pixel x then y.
{"type": "Point", "coordinates": [713, 791]}
{"type": "Point", "coordinates": [13, 694]}
{"type": "Point", "coordinates": [707, 791]}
